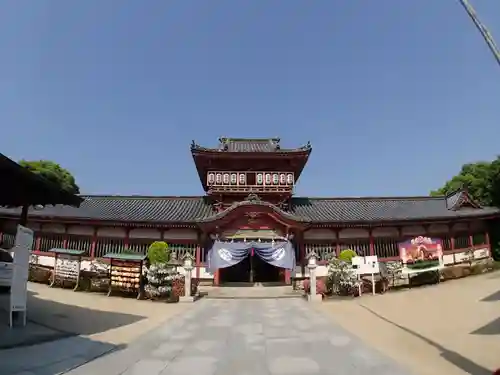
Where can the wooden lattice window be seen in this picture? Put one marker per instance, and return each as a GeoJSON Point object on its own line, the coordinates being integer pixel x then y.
{"type": "Point", "coordinates": [48, 241]}
{"type": "Point", "coordinates": [386, 247]}
{"type": "Point", "coordinates": [79, 242]}
{"type": "Point", "coordinates": [324, 251]}
{"type": "Point", "coordinates": [108, 245]}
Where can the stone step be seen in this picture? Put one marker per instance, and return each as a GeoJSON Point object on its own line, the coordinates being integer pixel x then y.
{"type": "Point", "coordinates": [250, 291]}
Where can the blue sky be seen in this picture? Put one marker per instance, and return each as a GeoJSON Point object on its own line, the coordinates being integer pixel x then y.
{"type": "Point", "coordinates": [394, 95]}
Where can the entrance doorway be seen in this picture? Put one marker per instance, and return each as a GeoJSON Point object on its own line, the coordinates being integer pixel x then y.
{"type": "Point", "coordinates": [252, 269]}
{"type": "Point", "coordinates": [264, 272]}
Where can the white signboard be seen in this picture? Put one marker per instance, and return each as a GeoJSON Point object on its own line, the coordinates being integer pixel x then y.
{"type": "Point", "coordinates": [19, 288]}
{"type": "Point", "coordinates": [368, 265]}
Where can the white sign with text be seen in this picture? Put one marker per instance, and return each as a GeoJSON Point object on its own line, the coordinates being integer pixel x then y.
{"type": "Point", "coordinates": [19, 287]}
{"type": "Point", "coordinates": [368, 265]}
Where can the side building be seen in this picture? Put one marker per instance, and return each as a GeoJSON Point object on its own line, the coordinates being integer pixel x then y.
{"type": "Point", "coordinates": [249, 185]}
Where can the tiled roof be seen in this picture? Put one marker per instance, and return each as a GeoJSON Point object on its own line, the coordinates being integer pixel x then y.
{"type": "Point", "coordinates": [131, 208]}
{"type": "Point", "coordinates": [381, 209]}
{"type": "Point", "coordinates": [314, 210]}
{"type": "Point", "coordinates": [265, 145]}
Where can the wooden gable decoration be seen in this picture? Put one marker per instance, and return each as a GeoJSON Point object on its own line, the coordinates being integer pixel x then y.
{"type": "Point", "coordinates": [462, 199]}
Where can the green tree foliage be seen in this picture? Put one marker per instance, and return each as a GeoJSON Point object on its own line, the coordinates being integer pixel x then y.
{"type": "Point", "coordinates": [54, 173]}
{"type": "Point", "coordinates": [347, 255]}
{"type": "Point", "coordinates": [159, 253]}
{"type": "Point", "coordinates": [483, 182]}
{"type": "Point", "coordinates": [476, 177]}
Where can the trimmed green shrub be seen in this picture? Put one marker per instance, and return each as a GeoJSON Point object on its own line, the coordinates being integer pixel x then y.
{"type": "Point", "coordinates": [159, 253]}
{"type": "Point", "coordinates": [347, 255]}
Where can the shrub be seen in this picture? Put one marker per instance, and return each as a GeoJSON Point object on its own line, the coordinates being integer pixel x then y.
{"type": "Point", "coordinates": [452, 272]}
{"type": "Point", "coordinates": [342, 278]}
{"type": "Point", "coordinates": [347, 255]}
{"type": "Point", "coordinates": [160, 279]}
{"type": "Point", "coordinates": [159, 253]}
{"type": "Point", "coordinates": [424, 278]}
{"type": "Point", "coordinates": [39, 274]}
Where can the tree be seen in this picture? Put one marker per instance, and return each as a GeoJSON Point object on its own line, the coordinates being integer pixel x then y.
{"type": "Point", "coordinates": [159, 253]}
{"type": "Point", "coordinates": [495, 182]}
{"type": "Point", "coordinates": [54, 173]}
{"type": "Point", "coordinates": [477, 177]}
{"type": "Point", "coordinates": [483, 182]}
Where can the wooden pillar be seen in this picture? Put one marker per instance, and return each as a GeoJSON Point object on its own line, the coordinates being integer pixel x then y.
{"type": "Point", "coordinates": [93, 244]}
{"type": "Point", "coordinates": [197, 257]}
{"type": "Point", "coordinates": [288, 275]}
{"type": "Point", "coordinates": [471, 236]}
{"type": "Point", "coordinates": [126, 240]}
{"type": "Point", "coordinates": [452, 236]}
{"type": "Point", "coordinates": [198, 260]}
{"type": "Point", "coordinates": [302, 252]}
{"type": "Point", "coordinates": [337, 247]}
{"type": "Point", "coordinates": [487, 238]}
{"type": "Point", "coordinates": [65, 238]}
{"type": "Point", "coordinates": [372, 244]}
{"type": "Point", "coordinates": [23, 220]}
{"type": "Point", "coordinates": [38, 239]}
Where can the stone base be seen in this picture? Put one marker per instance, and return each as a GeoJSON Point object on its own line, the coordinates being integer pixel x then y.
{"type": "Point", "coordinates": [187, 299]}
{"type": "Point", "coordinates": [314, 298]}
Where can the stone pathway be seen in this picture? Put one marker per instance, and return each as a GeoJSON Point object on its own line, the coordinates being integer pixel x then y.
{"type": "Point", "coordinates": [246, 337]}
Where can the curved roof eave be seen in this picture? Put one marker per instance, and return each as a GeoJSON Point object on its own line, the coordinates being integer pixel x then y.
{"type": "Point", "coordinates": [237, 205]}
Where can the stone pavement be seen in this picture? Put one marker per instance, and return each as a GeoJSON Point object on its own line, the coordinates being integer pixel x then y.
{"type": "Point", "coordinates": [244, 337]}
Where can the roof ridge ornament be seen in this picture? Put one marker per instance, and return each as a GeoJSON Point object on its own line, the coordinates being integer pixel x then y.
{"type": "Point", "coordinates": [252, 197]}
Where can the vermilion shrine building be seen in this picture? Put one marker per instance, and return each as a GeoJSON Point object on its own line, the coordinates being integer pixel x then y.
{"type": "Point", "coordinates": [249, 186]}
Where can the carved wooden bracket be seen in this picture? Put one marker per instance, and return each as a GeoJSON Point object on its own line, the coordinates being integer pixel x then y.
{"type": "Point", "coordinates": [252, 216]}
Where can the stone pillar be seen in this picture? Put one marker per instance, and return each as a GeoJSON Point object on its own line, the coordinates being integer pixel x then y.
{"type": "Point", "coordinates": [188, 267]}
{"type": "Point", "coordinates": [312, 265]}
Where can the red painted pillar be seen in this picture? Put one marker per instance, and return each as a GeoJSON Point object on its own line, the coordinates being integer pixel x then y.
{"type": "Point", "coordinates": [216, 278]}
{"type": "Point", "coordinates": [198, 261]}
{"type": "Point", "coordinates": [65, 239]}
{"type": "Point", "coordinates": [93, 244]}
{"type": "Point", "coordinates": [487, 240]}
{"type": "Point", "coordinates": [337, 247]}
{"type": "Point", "coordinates": [302, 254]}
{"type": "Point", "coordinates": [288, 277]}
{"type": "Point", "coordinates": [126, 240]}
{"type": "Point", "coordinates": [37, 243]}
{"type": "Point", "coordinates": [471, 237]}
{"type": "Point", "coordinates": [372, 245]}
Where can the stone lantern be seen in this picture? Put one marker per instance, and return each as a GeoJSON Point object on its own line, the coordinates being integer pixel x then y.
{"type": "Point", "coordinates": [312, 264]}
{"type": "Point", "coordinates": [188, 267]}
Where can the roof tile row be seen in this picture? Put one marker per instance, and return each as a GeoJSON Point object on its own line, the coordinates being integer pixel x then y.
{"type": "Point", "coordinates": [314, 210]}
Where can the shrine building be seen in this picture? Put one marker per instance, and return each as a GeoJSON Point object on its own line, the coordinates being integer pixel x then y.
{"type": "Point", "coordinates": [249, 196]}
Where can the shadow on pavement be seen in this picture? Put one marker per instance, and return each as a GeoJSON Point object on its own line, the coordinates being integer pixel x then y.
{"type": "Point", "coordinates": [454, 358]}
{"type": "Point", "coordinates": [492, 297]}
{"type": "Point", "coordinates": [75, 319]}
{"type": "Point", "coordinates": [49, 321]}
{"type": "Point", "coordinates": [492, 328]}
{"type": "Point", "coordinates": [54, 357]}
